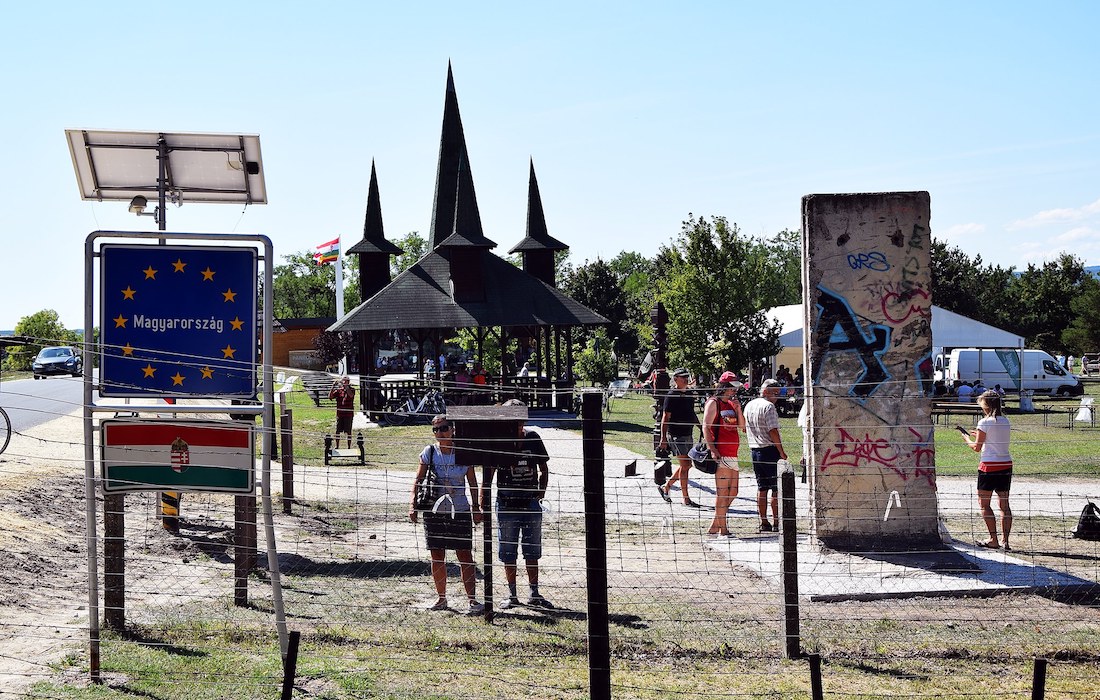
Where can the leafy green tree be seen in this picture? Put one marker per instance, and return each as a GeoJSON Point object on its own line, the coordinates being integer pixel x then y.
{"type": "Point", "coordinates": [1083, 334]}
{"type": "Point", "coordinates": [963, 285]}
{"type": "Point", "coordinates": [715, 292]}
{"type": "Point", "coordinates": [43, 328]}
{"type": "Point", "coordinates": [414, 246]}
{"type": "Point", "coordinates": [784, 285]}
{"type": "Point", "coordinates": [636, 278]}
{"type": "Point", "coordinates": [303, 289]}
{"type": "Point", "coordinates": [595, 285]}
{"type": "Point", "coordinates": [1043, 300]}
{"type": "Point", "coordinates": [594, 363]}
{"type": "Point", "coordinates": [330, 348]}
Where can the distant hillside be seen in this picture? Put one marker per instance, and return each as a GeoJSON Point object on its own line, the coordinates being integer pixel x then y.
{"type": "Point", "coordinates": [1094, 269]}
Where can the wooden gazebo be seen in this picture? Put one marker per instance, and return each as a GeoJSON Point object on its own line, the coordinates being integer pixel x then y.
{"type": "Point", "coordinates": [462, 284]}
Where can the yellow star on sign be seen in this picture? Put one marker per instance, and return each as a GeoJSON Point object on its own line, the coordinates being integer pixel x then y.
{"type": "Point", "coordinates": [120, 321]}
{"type": "Point", "coordinates": [128, 293]}
{"type": "Point", "coordinates": [207, 274]}
{"type": "Point", "coordinates": [227, 352]}
{"type": "Point", "coordinates": [177, 379]}
{"type": "Point", "coordinates": [207, 373]}
{"type": "Point", "coordinates": [150, 273]}
{"type": "Point", "coordinates": [127, 350]}
{"type": "Point", "coordinates": [229, 295]}
{"type": "Point", "coordinates": [237, 323]}
{"type": "Point", "coordinates": [179, 265]}
{"type": "Point", "coordinates": [148, 370]}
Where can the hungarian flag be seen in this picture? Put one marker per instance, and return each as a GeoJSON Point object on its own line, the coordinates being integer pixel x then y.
{"type": "Point", "coordinates": [327, 252]}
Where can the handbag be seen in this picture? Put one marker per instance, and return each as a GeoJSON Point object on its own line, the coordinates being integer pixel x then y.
{"type": "Point", "coordinates": [700, 457]}
{"type": "Point", "coordinates": [424, 499]}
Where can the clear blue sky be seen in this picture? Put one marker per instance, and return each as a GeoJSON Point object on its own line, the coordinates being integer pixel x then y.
{"type": "Point", "coordinates": [635, 115]}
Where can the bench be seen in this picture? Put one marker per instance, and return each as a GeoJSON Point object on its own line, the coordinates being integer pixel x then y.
{"type": "Point", "coordinates": [945, 409]}
{"type": "Point", "coordinates": [317, 385]}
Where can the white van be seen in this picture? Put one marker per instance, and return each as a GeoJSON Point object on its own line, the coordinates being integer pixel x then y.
{"type": "Point", "coordinates": [1033, 370]}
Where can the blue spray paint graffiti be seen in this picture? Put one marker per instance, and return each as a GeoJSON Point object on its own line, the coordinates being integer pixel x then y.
{"type": "Point", "coordinates": [838, 329]}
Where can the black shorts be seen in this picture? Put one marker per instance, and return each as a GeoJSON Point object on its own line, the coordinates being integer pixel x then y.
{"type": "Point", "coordinates": [343, 423]}
{"type": "Point", "coordinates": [441, 531]}
{"type": "Point", "coordinates": [765, 466]}
{"type": "Point", "coordinates": [1000, 482]}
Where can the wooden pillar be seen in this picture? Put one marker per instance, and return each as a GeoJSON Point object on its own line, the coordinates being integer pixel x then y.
{"type": "Point", "coordinates": [114, 561]}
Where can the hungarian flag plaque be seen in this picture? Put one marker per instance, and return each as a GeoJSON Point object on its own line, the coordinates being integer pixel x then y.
{"type": "Point", "coordinates": [177, 455]}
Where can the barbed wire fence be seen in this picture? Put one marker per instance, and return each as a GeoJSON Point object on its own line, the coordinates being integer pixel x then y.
{"type": "Point", "coordinates": [687, 614]}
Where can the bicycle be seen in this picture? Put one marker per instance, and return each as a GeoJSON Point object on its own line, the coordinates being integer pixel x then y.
{"type": "Point", "coordinates": [5, 430]}
{"type": "Point", "coordinates": [431, 403]}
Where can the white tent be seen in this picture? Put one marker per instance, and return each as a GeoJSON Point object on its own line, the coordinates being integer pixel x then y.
{"type": "Point", "coordinates": [949, 330]}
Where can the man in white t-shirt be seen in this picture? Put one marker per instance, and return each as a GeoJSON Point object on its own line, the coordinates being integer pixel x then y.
{"type": "Point", "coordinates": [766, 446]}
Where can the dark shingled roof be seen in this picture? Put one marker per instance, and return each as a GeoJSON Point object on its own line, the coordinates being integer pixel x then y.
{"type": "Point", "coordinates": [420, 297]}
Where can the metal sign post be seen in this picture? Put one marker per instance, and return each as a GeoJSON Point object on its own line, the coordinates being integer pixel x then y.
{"type": "Point", "coordinates": [178, 321]}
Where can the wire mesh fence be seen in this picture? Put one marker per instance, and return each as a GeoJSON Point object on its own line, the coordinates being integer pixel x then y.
{"type": "Point", "coordinates": [688, 614]}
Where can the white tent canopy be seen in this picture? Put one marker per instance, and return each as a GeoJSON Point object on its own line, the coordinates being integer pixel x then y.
{"type": "Point", "coordinates": [949, 330]}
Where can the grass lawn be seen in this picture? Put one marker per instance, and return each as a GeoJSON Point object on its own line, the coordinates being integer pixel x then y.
{"type": "Point", "coordinates": [683, 621]}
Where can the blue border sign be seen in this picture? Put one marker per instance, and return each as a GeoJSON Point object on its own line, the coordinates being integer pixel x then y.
{"type": "Point", "coordinates": [178, 321]}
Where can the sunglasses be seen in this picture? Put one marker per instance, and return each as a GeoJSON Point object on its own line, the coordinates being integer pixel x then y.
{"type": "Point", "coordinates": [441, 428]}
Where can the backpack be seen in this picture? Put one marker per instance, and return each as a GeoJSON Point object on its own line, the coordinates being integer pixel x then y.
{"type": "Point", "coordinates": [1088, 525]}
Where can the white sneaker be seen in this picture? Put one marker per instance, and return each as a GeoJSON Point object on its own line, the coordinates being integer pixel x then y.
{"type": "Point", "coordinates": [510, 602]}
{"type": "Point", "coordinates": [476, 608]}
{"type": "Point", "coordinates": [439, 604]}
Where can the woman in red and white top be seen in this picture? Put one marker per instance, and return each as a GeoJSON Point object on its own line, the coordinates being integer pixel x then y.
{"type": "Point", "coordinates": [995, 467]}
{"type": "Point", "coordinates": [723, 421]}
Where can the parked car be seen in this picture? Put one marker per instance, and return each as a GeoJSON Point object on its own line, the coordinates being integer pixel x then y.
{"type": "Point", "coordinates": [1090, 364]}
{"type": "Point", "coordinates": [57, 360]}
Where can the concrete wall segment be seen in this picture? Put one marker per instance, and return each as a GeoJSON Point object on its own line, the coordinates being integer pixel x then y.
{"type": "Point", "coordinates": [866, 273]}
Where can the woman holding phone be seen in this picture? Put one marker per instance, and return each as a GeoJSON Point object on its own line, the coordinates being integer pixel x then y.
{"type": "Point", "coordinates": [991, 439]}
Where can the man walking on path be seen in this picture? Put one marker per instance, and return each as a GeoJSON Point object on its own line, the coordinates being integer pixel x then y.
{"type": "Point", "coordinates": [521, 487]}
{"type": "Point", "coordinates": [678, 421]}
{"type": "Point", "coordinates": [762, 429]}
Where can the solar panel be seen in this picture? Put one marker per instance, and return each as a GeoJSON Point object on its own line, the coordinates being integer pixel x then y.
{"type": "Point", "coordinates": [119, 165]}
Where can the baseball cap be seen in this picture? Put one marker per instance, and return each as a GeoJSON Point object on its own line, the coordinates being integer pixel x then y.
{"type": "Point", "coordinates": [727, 378]}
{"type": "Point", "coordinates": [768, 383]}
{"type": "Point", "coordinates": [681, 372]}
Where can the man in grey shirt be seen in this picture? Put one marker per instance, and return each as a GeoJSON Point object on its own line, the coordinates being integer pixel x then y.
{"type": "Point", "coordinates": [762, 429]}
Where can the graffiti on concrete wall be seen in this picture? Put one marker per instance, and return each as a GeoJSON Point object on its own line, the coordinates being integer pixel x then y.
{"type": "Point", "coordinates": [870, 367]}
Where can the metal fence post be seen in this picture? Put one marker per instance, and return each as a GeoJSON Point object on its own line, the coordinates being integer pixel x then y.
{"type": "Point", "coordinates": [114, 560]}
{"type": "Point", "coordinates": [286, 430]}
{"type": "Point", "coordinates": [789, 539]}
{"type": "Point", "coordinates": [599, 643]}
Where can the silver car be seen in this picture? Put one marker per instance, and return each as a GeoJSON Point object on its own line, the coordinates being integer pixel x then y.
{"type": "Point", "coordinates": [57, 360]}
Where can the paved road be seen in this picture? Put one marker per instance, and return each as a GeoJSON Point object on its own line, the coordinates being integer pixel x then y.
{"type": "Point", "coordinates": [29, 403]}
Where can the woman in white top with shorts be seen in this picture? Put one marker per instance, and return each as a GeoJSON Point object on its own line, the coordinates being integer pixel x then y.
{"type": "Point", "coordinates": [994, 468]}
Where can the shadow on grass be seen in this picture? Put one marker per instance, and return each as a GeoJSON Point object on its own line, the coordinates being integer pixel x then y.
{"type": "Point", "coordinates": [618, 426]}
{"type": "Point", "coordinates": [865, 667]}
{"type": "Point", "coordinates": [1055, 555]}
{"type": "Point", "coordinates": [146, 640]}
{"type": "Point", "coordinates": [297, 565]}
{"type": "Point", "coordinates": [1087, 594]}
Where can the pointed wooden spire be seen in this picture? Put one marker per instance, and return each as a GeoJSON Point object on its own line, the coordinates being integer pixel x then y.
{"type": "Point", "coordinates": [467, 231]}
{"type": "Point", "coordinates": [452, 150]}
{"type": "Point", "coordinates": [538, 248]}
{"type": "Point", "coordinates": [374, 237]}
{"type": "Point", "coordinates": [374, 250]}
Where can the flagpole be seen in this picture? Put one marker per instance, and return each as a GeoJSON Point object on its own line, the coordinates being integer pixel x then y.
{"type": "Point", "coordinates": [340, 295]}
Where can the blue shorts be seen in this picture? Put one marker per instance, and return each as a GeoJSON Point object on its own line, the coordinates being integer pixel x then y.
{"type": "Point", "coordinates": [765, 466]}
{"type": "Point", "coordinates": [519, 527]}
